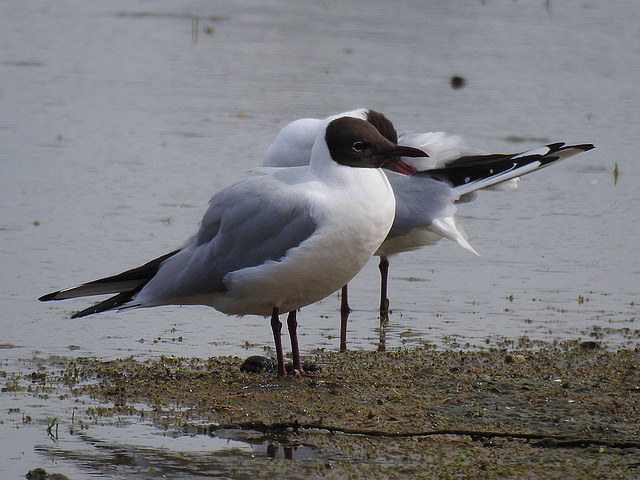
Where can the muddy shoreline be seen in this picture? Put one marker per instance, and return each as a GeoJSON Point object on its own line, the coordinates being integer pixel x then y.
{"type": "Point", "coordinates": [530, 410]}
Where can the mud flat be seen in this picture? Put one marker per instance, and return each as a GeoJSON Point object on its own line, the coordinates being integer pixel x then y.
{"type": "Point", "coordinates": [521, 410]}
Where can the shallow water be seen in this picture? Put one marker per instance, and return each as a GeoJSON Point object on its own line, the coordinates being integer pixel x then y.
{"type": "Point", "coordinates": [121, 119]}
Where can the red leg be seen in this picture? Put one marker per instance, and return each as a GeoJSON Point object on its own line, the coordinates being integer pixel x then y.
{"type": "Point", "coordinates": [276, 327]}
{"type": "Point", "coordinates": [384, 300]}
{"type": "Point", "coordinates": [344, 316]}
{"type": "Point", "coordinates": [292, 324]}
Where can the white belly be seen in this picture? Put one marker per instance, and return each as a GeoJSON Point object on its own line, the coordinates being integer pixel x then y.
{"type": "Point", "coordinates": [350, 231]}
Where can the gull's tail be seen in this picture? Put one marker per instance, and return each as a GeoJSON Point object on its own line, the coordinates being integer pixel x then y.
{"type": "Point", "coordinates": [125, 285]}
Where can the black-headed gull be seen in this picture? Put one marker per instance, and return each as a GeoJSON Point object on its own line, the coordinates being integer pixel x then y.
{"type": "Point", "coordinates": [275, 242]}
{"type": "Point", "coordinates": [425, 201]}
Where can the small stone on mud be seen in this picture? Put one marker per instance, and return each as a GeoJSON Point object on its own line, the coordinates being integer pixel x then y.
{"type": "Point", "coordinates": [260, 364]}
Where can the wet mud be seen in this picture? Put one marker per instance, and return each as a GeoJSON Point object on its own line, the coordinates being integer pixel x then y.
{"type": "Point", "coordinates": [523, 410]}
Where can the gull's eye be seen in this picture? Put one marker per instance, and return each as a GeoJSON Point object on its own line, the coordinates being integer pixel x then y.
{"type": "Point", "coordinates": [358, 147]}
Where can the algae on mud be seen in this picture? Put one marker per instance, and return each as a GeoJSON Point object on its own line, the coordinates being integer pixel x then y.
{"type": "Point", "coordinates": [530, 411]}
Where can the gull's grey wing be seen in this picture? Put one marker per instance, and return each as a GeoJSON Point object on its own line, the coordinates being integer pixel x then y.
{"type": "Point", "coordinates": [245, 225]}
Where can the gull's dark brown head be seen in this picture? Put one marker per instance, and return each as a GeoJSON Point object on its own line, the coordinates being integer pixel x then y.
{"type": "Point", "coordinates": [357, 143]}
{"type": "Point", "coordinates": [383, 124]}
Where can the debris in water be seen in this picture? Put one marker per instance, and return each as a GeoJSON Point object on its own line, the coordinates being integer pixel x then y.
{"type": "Point", "coordinates": [457, 82]}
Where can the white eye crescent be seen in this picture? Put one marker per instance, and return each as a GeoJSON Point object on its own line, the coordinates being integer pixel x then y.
{"type": "Point", "coordinates": [358, 147]}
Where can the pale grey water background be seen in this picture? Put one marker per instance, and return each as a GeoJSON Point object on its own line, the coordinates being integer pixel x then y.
{"type": "Point", "coordinates": [119, 120]}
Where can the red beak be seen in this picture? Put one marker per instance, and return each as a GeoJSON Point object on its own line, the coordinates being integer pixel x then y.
{"type": "Point", "coordinates": [398, 165]}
